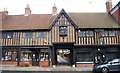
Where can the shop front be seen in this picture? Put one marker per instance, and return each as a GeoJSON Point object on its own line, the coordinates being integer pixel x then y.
{"type": "Point", "coordinates": [35, 57]}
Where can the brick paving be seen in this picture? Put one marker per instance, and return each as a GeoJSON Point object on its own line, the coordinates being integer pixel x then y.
{"type": "Point", "coordinates": [37, 68]}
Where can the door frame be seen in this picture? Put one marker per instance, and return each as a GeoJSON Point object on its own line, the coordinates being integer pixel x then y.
{"type": "Point", "coordinates": [35, 62]}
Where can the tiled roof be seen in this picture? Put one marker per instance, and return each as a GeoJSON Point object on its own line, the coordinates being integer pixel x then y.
{"type": "Point", "coordinates": [94, 20]}
{"type": "Point", "coordinates": [43, 21]}
{"type": "Point", "coordinates": [33, 21]}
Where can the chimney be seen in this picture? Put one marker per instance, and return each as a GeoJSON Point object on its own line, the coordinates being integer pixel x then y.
{"type": "Point", "coordinates": [54, 10]}
{"type": "Point", "coordinates": [3, 14]}
{"type": "Point", "coordinates": [108, 5]}
{"type": "Point", "coordinates": [27, 11]}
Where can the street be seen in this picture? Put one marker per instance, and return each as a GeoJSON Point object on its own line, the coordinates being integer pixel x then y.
{"type": "Point", "coordinates": [47, 72]}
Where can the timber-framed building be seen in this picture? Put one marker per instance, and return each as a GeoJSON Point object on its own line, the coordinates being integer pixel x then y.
{"type": "Point", "coordinates": [74, 39]}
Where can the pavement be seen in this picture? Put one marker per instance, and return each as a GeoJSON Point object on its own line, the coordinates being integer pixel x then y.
{"type": "Point", "coordinates": [37, 68]}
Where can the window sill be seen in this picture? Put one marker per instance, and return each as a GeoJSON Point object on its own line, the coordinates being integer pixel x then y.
{"type": "Point", "coordinates": [84, 62]}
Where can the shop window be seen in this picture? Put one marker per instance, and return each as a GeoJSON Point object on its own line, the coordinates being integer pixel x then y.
{"type": "Point", "coordinates": [110, 55]}
{"type": "Point", "coordinates": [26, 56]}
{"type": "Point", "coordinates": [27, 35]}
{"type": "Point", "coordinates": [41, 34]}
{"type": "Point", "coordinates": [44, 56]}
{"type": "Point", "coordinates": [9, 55]}
{"type": "Point", "coordinates": [84, 57]}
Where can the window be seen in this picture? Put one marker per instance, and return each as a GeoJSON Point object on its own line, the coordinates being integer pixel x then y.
{"type": "Point", "coordinates": [26, 56]}
{"type": "Point", "coordinates": [41, 34]}
{"type": "Point", "coordinates": [9, 55]}
{"type": "Point", "coordinates": [7, 35]}
{"type": "Point", "coordinates": [44, 55]}
{"type": "Point", "coordinates": [27, 34]}
{"type": "Point", "coordinates": [104, 33]}
{"type": "Point", "coordinates": [110, 55]}
{"type": "Point", "coordinates": [81, 33]}
{"type": "Point", "coordinates": [63, 30]}
{"type": "Point", "coordinates": [112, 33]}
{"type": "Point", "coordinates": [84, 57]}
{"type": "Point", "coordinates": [89, 33]}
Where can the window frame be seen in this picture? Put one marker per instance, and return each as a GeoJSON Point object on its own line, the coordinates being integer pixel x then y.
{"type": "Point", "coordinates": [6, 34]}
{"type": "Point", "coordinates": [29, 34]}
{"type": "Point", "coordinates": [63, 30]}
{"type": "Point", "coordinates": [89, 33]}
{"type": "Point", "coordinates": [112, 33]}
{"type": "Point", "coordinates": [40, 34]}
{"type": "Point", "coordinates": [83, 53]}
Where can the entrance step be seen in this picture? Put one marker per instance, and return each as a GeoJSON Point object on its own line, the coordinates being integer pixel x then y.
{"type": "Point", "coordinates": [63, 68]}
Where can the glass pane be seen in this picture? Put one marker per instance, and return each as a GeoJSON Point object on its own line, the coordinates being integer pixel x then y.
{"type": "Point", "coordinates": [27, 35]}
{"type": "Point", "coordinates": [44, 56]}
{"type": "Point", "coordinates": [84, 57]}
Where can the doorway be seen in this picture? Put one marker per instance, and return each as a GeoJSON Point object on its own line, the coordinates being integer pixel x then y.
{"type": "Point", "coordinates": [63, 57]}
{"type": "Point", "coordinates": [35, 57]}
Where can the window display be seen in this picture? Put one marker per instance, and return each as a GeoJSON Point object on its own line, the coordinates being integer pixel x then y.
{"type": "Point", "coordinates": [26, 56]}
{"type": "Point", "coordinates": [9, 55]}
{"type": "Point", "coordinates": [84, 57]}
{"type": "Point", "coordinates": [44, 56]}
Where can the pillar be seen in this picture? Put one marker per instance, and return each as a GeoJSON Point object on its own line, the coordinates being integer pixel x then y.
{"type": "Point", "coordinates": [53, 56]}
{"type": "Point", "coordinates": [18, 60]}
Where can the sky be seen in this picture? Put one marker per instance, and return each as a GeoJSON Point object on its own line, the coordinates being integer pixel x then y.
{"type": "Point", "coordinates": [16, 7]}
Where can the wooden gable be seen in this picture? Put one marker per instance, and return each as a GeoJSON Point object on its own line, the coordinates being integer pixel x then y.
{"type": "Point", "coordinates": [66, 18]}
{"type": "Point", "coordinates": [63, 28]}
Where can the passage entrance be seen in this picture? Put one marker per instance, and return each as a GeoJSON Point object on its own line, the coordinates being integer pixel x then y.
{"type": "Point", "coordinates": [62, 53]}
{"type": "Point", "coordinates": [63, 57]}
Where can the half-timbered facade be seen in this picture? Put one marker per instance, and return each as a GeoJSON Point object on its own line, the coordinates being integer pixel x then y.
{"type": "Point", "coordinates": [74, 39]}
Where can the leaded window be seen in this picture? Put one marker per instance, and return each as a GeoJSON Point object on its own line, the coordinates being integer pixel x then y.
{"type": "Point", "coordinates": [8, 55]}
{"type": "Point", "coordinates": [26, 55]}
{"type": "Point", "coordinates": [81, 33]}
{"type": "Point", "coordinates": [63, 30]}
{"type": "Point", "coordinates": [112, 33]}
{"type": "Point", "coordinates": [7, 35]}
{"type": "Point", "coordinates": [27, 35]}
{"type": "Point", "coordinates": [41, 34]}
{"type": "Point", "coordinates": [89, 33]}
{"type": "Point", "coordinates": [104, 33]}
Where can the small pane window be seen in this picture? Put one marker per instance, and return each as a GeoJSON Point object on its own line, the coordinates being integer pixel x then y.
{"type": "Point", "coordinates": [41, 34]}
{"type": "Point", "coordinates": [9, 55]}
{"type": "Point", "coordinates": [81, 33]}
{"type": "Point", "coordinates": [104, 33]}
{"type": "Point", "coordinates": [44, 55]}
{"type": "Point", "coordinates": [63, 30]}
{"type": "Point", "coordinates": [27, 35]}
{"type": "Point", "coordinates": [89, 33]}
{"type": "Point", "coordinates": [7, 35]}
{"type": "Point", "coordinates": [112, 33]}
{"type": "Point", "coordinates": [26, 56]}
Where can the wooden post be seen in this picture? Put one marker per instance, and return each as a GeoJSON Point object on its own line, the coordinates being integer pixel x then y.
{"type": "Point", "coordinates": [19, 52]}
{"type": "Point", "coordinates": [53, 56]}
{"type": "Point", "coordinates": [74, 54]}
